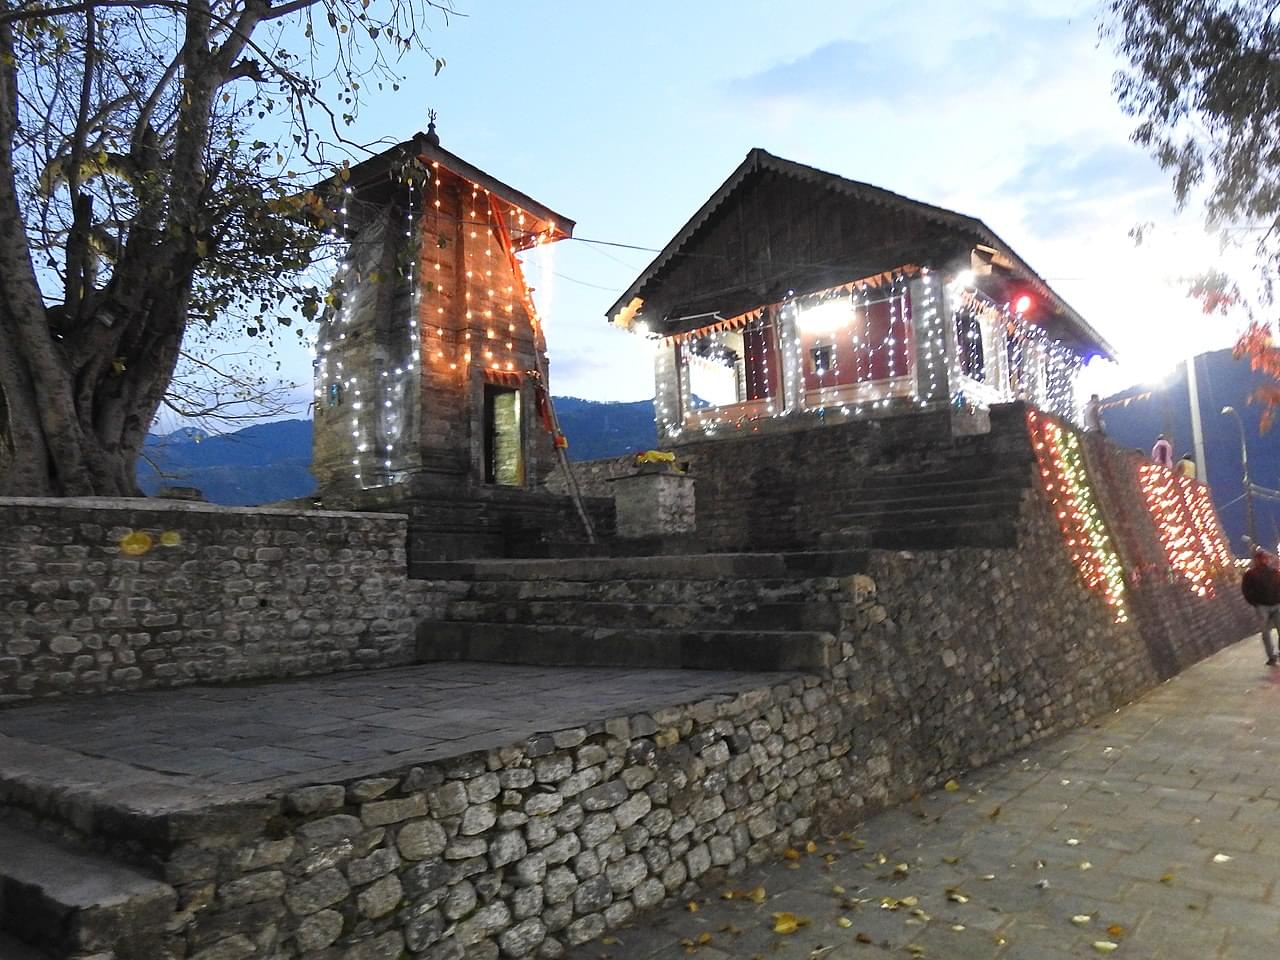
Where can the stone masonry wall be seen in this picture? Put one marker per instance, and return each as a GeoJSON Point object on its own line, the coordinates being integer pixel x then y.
{"type": "Point", "coordinates": [950, 659]}
{"type": "Point", "coordinates": [100, 595]}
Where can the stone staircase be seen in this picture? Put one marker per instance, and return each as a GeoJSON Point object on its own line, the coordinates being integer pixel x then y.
{"type": "Point", "coordinates": [62, 903]}
{"type": "Point", "coordinates": [759, 612]}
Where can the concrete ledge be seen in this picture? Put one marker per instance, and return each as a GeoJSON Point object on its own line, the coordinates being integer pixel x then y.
{"type": "Point", "coordinates": [159, 505]}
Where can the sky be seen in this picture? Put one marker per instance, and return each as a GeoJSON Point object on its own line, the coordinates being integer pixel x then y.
{"type": "Point", "coordinates": [626, 117]}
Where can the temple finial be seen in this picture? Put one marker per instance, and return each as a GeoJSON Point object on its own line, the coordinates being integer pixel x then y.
{"type": "Point", "coordinates": [433, 138]}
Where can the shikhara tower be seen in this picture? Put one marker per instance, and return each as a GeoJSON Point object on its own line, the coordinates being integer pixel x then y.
{"type": "Point", "coordinates": [430, 358]}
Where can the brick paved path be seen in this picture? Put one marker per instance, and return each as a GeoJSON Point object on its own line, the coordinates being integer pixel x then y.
{"type": "Point", "coordinates": [1161, 822]}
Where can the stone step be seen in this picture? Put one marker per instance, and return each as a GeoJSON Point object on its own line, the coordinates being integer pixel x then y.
{"type": "Point", "coordinates": [891, 505]}
{"type": "Point", "coordinates": [726, 613]}
{"type": "Point", "coordinates": [945, 482]}
{"type": "Point", "coordinates": [947, 535]}
{"type": "Point", "coordinates": [708, 566]}
{"type": "Point", "coordinates": [11, 949]}
{"type": "Point", "coordinates": [569, 645]}
{"type": "Point", "coordinates": [66, 903]}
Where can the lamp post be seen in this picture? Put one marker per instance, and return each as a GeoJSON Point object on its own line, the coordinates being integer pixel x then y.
{"type": "Point", "coordinates": [1244, 464]}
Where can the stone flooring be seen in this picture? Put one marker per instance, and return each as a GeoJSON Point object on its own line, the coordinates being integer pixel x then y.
{"type": "Point", "coordinates": [1153, 834]}
{"type": "Point", "coordinates": [311, 730]}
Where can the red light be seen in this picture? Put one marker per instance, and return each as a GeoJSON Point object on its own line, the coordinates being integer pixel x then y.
{"type": "Point", "coordinates": [1022, 304]}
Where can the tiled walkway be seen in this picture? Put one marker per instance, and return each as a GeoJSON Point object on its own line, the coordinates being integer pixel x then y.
{"type": "Point", "coordinates": [309, 729]}
{"type": "Point", "coordinates": [1153, 834]}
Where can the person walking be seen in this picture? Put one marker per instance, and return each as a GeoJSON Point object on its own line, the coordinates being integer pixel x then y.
{"type": "Point", "coordinates": [1093, 415]}
{"type": "Point", "coordinates": [1186, 467]}
{"type": "Point", "coordinates": [1260, 587]}
{"type": "Point", "coordinates": [1162, 452]}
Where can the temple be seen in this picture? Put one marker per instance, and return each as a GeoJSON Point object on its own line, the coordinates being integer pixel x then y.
{"type": "Point", "coordinates": [430, 368]}
{"type": "Point", "coordinates": [795, 297]}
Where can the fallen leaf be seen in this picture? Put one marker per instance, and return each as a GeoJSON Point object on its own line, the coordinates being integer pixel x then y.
{"type": "Point", "coordinates": [704, 939]}
{"type": "Point", "coordinates": [993, 814]}
{"type": "Point", "coordinates": [791, 853]}
{"type": "Point", "coordinates": [957, 927]}
{"type": "Point", "coordinates": [610, 941]}
{"type": "Point", "coordinates": [837, 889]}
{"type": "Point", "coordinates": [730, 929]}
{"type": "Point", "coordinates": [692, 906]}
{"type": "Point", "coordinates": [810, 847]}
{"type": "Point", "coordinates": [1086, 865]}
{"type": "Point", "coordinates": [857, 844]}
{"type": "Point", "coordinates": [757, 895]}
{"type": "Point", "coordinates": [844, 922]}
{"type": "Point", "coordinates": [950, 859]}
{"type": "Point", "coordinates": [1105, 946]}
{"type": "Point", "coordinates": [987, 876]}
{"type": "Point", "coordinates": [951, 786]}
{"type": "Point", "coordinates": [863, 938]}
{"type": "Point", "coordinates": [788, 922]}
{"type": "Point", "coordinates": [955, 896]}
{"type": "Point", "coordinates": [902, 869]}
{"type": "Point", "coordinates": [1073, 842]}
{"type": "Point", "coordinates": [915, 949]}
{"type": "Point", "coordinates": [728, 895]}
{"type": "Point", "coordinates": [1115, 930]}
{"type": "Point", "coordinates": [1221, 858]}
{"type": "Point", "coordinates": [1167, 878]}
{"type": "Point", "coordinates": [909, 901]}
{"type": "Point", "coordinates": [1080, 919]}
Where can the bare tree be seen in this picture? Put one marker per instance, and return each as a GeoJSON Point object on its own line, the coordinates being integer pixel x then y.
{"type": "Point", "coordinates": [150, 156]}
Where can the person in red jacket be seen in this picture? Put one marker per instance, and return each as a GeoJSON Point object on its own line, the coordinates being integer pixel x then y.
{"type": "Point", "coordinates": [1261, 588]}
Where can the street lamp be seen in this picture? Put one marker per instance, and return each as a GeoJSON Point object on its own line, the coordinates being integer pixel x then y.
{"type": "Point", "coordinates": [1244, 464]}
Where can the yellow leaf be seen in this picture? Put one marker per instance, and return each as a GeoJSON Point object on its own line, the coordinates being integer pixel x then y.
{"type": "Point", "coordinates": [837, 889]}
{"type": "Point", "coordinates": [957, 927]}
{"type": "Point", "coordinates": [1105, 946]}
{"type": "Point", "coordinates": [791, 853]}
{"type": "Point", "coordinates": [915, 949]}
{"type": "Point", "coordinates": [1115, 930]}
{"type": "Point", "coordinates": [1167, 878]}
{"type": "Point", "coordinates": [950, 859]}
{"type": "Point", "coordinates": [171, 538]}
{"type": "Point", "coordinates": [909, 901]}
{"type": "Point", "coordinates": [951, 786]}
{"type": "Point", "coordinates": [135, 544]}
{"type": "Point", "coordinates": [728, 895]}
{"type": "Point", "coordinates": [810, 847]}
{"type": "Point", "coordinates": [704, 939]}
{"type": "Point", "coordinates": [844, 922]}
{"type": "Point", "coordinates": [609, 941]}
{"type": "Point", "coordinates": [692, 906]}
{"type": "Point", "coordinates": [901, 868]}
{"type": "Point", "coordinates": [785, 923]}
{"type": "Point", "coordinates": [757, 895]}
{"type": "Point", "coordinates": [955, 896]}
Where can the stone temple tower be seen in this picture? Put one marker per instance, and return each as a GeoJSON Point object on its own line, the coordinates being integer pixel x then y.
{"type": "Point", "coordinates": [430, 360]}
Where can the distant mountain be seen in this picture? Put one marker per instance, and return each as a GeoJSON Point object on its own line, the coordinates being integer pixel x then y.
{"type": "Point", "coordinates": [1222, 381]}
{"type": "Point", "coordinates": [259, 464]}
{"type": "Point", "coordinates": [271, 461]}
{"type": "Point", "coordinates": [598, 430]}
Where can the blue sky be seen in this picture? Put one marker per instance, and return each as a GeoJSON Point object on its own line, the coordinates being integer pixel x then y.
{"type": "Point", "coordinates": [625, 117]}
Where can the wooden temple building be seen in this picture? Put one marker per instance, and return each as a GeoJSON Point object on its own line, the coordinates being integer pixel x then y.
{"type": "Point", "coordinates": [430, 367]}
{"type": "Point", "coordinates": [797, 297]}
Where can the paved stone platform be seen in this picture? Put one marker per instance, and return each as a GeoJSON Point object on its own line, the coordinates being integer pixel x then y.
{"type": "Point", "coordinates": [272, 735]}
{"type": "Point", "coordinates": [1154, 833]}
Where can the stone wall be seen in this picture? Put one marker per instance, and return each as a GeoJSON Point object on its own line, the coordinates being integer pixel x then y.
{"type": "Point", "coordinates": [593, 476]}
{"type": "Point", "coordinates": [100, 595]}
{"type": "Point", "coordinates": [949, 660]}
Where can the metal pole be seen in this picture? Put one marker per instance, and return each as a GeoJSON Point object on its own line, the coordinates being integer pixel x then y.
{"type": "Point", "coordinates": [1197, 429]}
{"type": "Point", "coordinates": [1244, 464]}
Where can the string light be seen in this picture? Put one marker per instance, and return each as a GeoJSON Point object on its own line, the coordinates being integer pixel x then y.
{"type": "Point", "coordinates": [1193, 544]}
{"type": "Point", "coordinates": [1066, 484]}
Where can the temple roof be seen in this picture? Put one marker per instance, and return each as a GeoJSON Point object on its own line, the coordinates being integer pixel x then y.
{"type": "Point", "coordinates": [777, 227]}
{"type": "Point", "coordinates": [372, 179]}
